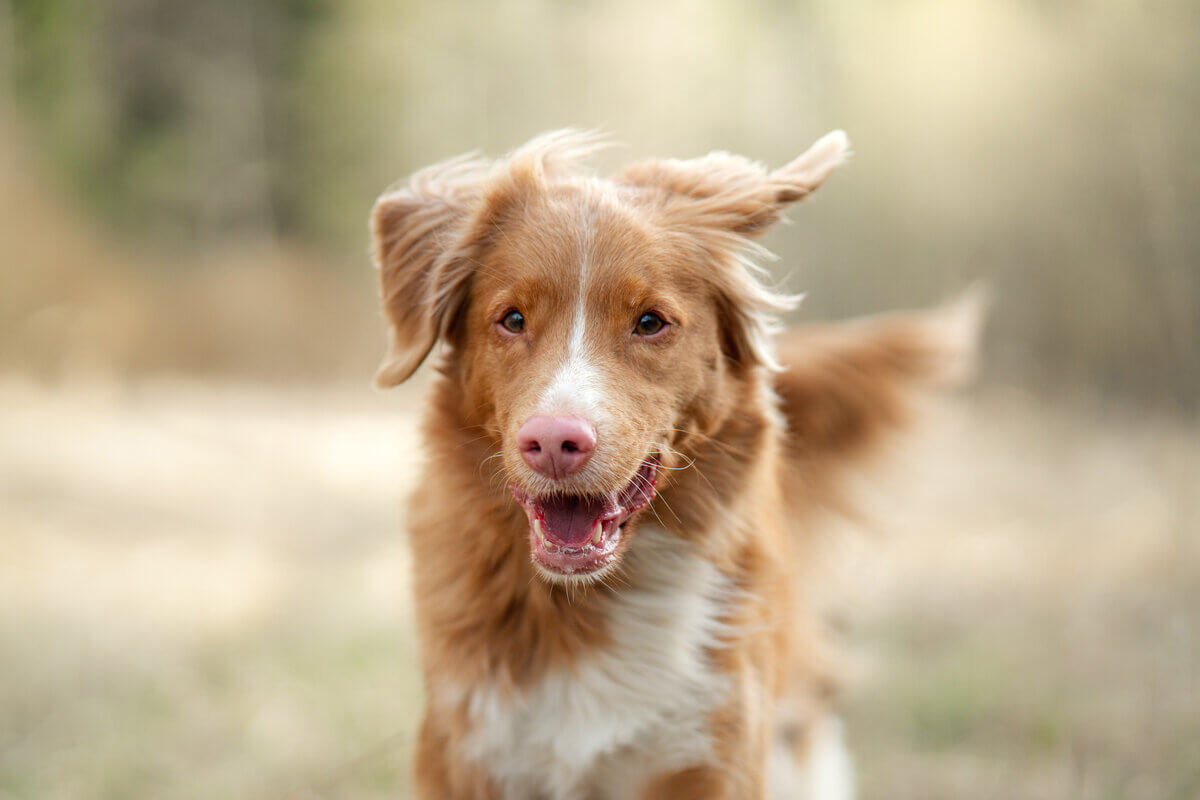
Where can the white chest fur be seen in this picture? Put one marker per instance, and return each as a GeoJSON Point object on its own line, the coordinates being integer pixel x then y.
{"type": "Point", "coordinates": [640, 703]}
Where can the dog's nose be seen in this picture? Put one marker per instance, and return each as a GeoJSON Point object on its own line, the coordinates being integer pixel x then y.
{"type": "Point", "coordinates": [556, 446]}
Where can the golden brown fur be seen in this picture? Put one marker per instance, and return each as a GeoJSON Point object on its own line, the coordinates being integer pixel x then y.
{"type": "Point", "coordinates": [465, 242]}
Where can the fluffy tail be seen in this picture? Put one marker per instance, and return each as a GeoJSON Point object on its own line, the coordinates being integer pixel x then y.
{"type": "Point", "coordinates": [847, 386]}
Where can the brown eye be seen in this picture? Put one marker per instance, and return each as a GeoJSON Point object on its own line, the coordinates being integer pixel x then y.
{"type": "Point", "coordinates": [514, 321]}
{"type": "Point", "coordinates": [649, 324]}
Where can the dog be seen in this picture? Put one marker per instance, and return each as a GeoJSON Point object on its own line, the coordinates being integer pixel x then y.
{"type": "Point", "coordinates": [612, 542]}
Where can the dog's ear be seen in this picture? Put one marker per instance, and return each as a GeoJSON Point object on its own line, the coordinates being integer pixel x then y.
{"type": "Point", "coordinates": [413, 230]}
{"type": "Point", "coordinates": [717, 204]}
{"type": "Point", "coordinates": [430, 235]}
{"type": "Point", "coordinates": [723, 192]}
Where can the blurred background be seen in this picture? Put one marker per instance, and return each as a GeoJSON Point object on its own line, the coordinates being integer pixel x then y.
{"type": "Point", "coordinates": [203, 578]}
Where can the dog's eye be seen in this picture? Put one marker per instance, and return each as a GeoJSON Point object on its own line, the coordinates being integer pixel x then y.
{"type": "Point", "coordinates": [649, 324]}
{"type": "Point", "coordinates": [514, 321]}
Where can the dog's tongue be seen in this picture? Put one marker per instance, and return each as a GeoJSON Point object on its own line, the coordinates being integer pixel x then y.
{"type": "Point", "coordinates": [570, 519]}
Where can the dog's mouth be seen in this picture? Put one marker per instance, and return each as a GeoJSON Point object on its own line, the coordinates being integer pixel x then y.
{"type": "Point", "coordinates": [579, 535]}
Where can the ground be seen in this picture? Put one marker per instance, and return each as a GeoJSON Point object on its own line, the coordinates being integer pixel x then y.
{"type": "Point", "coordinates": [203, 593]}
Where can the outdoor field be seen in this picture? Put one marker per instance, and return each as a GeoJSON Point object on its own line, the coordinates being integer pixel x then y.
{"type": "Point", "coordinates": [204, 593]}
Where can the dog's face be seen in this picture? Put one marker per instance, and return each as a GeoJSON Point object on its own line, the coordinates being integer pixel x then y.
{"type": "Point", "coordinates": [594, 344]}
{"type": "Point", "coordinates": [592, 325]}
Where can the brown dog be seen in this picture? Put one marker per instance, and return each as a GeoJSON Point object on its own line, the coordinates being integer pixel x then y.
{"type": "Point", "coordinates": [607, 542]}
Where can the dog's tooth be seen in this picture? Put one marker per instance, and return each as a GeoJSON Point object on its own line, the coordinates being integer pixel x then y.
{"type": "Point", "coordinates": [597, 533]}
{"type": "Point", "coordinates": [537, 529]}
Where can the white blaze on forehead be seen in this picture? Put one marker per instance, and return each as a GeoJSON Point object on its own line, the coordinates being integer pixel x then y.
{"type": "Point", "coordinates": [577, 386]}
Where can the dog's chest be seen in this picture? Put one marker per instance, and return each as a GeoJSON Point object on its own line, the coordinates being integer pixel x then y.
{"type": "Point", "coordinates": [639, 704]}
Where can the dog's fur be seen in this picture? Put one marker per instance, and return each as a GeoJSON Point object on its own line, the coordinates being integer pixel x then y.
{"type": "Point", "coordinates": [688, 664]}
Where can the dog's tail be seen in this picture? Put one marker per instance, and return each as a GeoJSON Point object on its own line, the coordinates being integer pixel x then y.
{"type": "Point", "coordinates": [847, 386]}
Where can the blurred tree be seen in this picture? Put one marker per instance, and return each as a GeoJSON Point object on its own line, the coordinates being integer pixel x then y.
{"type": "Point", "coordinates": [176, 117]}
{"type": "Point", "coordinates": [1046, 147]}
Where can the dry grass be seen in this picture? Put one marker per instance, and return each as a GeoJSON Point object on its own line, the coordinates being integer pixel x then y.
{"type": "Point", "coordinates": [1032, 628]}
{"type": "Point", "coordinates": [203, 594]}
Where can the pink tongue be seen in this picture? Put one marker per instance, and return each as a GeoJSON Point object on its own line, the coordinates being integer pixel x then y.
{"type": "Point", "coordinates": [570, 519]}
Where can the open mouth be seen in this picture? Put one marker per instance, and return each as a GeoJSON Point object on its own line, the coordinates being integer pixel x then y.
{"type": "Point", "coordinates": [580, 534]}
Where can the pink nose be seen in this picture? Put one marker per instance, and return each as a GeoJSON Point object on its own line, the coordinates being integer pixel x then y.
{"type": "Point", "coordinates": [556, 446]}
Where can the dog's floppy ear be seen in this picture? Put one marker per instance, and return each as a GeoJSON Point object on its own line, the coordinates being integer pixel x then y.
{"type": "Point", "coordinates": [413, 228]}
{"type": "Point", "coordinates": [730, 193]}
{"type": "Point", "coordinates": [430, 234]}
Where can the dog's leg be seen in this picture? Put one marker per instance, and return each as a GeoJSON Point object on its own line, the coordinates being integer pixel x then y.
{"type": "Point", "coordinates": [437, 776]}
{"type": "Point", "coordinates": [814, 765]}
{"type": "Point", "coordinates": [701, 783]}
{"type": "Point", "coordinates": [741, 738]}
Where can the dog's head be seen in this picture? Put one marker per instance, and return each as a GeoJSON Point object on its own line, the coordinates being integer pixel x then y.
{"type": "Point", "coordinates": [591, 325]}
